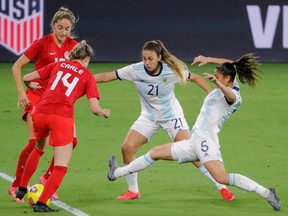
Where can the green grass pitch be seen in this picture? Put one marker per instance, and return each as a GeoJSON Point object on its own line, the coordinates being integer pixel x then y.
{"type": "Point", "coordinates": [253, 143]}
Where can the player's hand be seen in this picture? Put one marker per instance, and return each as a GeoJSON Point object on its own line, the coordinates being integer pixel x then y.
{"type": "Point", "coordinates": [23, 100]}
{"type": "Point", "coordinates": [106, 113]}
{"type": "Point", "coordinates": [211, 77]}
{"type": "Point", "coordinates": [200, 60]}
{"type": "Point", "coordinates": [34, 85]}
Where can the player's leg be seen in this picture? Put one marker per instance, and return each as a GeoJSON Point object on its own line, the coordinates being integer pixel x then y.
{"type": "Point", "coordinates": [62, 156]}
{"type": "Point", "coordinates": [41, 133]}
{"type": "Point", "coordinates": [141, 163]}
{"type": "Point", "coordinates": [132, 143]}
{"type": "Point", "coordinates": [140, 133]}
{"type": "Point", "coordinates": [22, 159]}
{"type": "Point", "coordinates": [43, 179]}
{"type": "Point", "coordinates": [61, 138]}
{"type": "Point", "coordinates": [217, 170]}
{"type": "Point", "coordinates": [27, 149]}
{"type": "Point", "coordinates": [30, 167]}
{"type": "Point", "coordinates": [223, 190]}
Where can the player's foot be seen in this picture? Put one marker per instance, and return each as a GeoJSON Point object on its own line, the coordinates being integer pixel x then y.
{"type": "Point", "coordinates": [129, 195]}
{"type": "Point", "coordinates": [273, 199]}
{"type": "Point", "coordinates": [113, 165]}
{"type": "Point", "coordinates": [43, 181]}
{"type": "Point", "coordinates": [20, 192]}
{"type": "Point", "coordinates": [12, 192]}
{"type": "Point", "coordinates": [40, 207]}
{"type": "Point", "coordinates": [227, 194]}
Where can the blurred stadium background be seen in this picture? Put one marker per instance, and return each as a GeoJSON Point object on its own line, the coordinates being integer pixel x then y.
{"type": "Point", "coordinates": [118, 29]}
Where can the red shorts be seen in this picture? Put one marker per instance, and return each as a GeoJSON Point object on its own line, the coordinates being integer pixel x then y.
{"type": "Point", "coordinates": [33, 100]}
{"type": "Point", "coordinates": [60, 129]}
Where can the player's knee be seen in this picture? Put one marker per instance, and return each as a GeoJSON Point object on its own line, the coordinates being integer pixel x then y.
{"type": "Point", "coordinates": [222, 179]}
{"type": "Point", "coordinates": [128, 150]}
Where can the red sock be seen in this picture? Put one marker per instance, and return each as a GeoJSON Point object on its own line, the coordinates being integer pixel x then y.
{"type": "Point", "coordinates": [22, 161]}
{"type": "Point", "coordinates": [31, 166]}
{"type": "Point", "coordinates": [53, 183]}
{"type": "Point", "coordinates": [50, 169]}
{"type": "Point", "coordinates": [75, 142]}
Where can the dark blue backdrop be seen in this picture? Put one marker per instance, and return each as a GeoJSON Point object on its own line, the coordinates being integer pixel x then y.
{"type": "Point", "coordinates": [117, 29]}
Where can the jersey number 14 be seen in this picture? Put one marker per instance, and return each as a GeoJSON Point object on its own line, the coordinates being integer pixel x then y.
{"type": "Point", "coordinates": [64, 79]}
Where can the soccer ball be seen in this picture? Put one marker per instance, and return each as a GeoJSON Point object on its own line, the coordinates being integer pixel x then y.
{"type": "Point", "coordinates": [34, 193]}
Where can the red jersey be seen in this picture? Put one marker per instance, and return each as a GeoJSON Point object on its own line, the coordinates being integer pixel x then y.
{"type": "Point", "coordinates": [45, 51]}
{"type": "Point", "coordinates": [68, 81]}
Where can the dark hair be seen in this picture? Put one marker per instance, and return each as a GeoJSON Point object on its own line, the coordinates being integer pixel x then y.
{"type": "Point", "coordinates": [245, 67]}
{"type": "Point", "coordinates": [174, 63]}
{"type": "Point", "coordinates": [81, 51]}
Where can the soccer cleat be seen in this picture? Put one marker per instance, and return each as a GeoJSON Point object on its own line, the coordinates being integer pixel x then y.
{"type": "Point", "coordinates": [113, 165]}
{"type": "Point", "coordinates": [12, 192]}
{"type": "Point", "coordinates": [227, 194]}
{"type": "Point", "coordinates": [43, 181]}
{"type": "Point", "coordinates": [20, 192]}
{"type": "Point", "coordinates": [273, 200]}
{"type": "Point", "coordinates": [129, 195]}
{"type": "Point", "coordinates": [43, 208]}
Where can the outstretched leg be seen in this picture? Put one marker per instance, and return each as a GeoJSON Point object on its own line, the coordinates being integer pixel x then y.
{"type": "Point", "coordinates": [217, 170]}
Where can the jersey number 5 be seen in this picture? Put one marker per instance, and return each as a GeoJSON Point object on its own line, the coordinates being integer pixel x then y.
{"type": "Point", "coordinates": [65, 82]}
{"type": "Point", "coordinates": [204, 146]}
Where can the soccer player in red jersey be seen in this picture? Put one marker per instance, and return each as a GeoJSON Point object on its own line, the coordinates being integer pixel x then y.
{"type": "Point", "coordinates": [51, 48]}
{"type": "Point", "coordinates": [54, 115]}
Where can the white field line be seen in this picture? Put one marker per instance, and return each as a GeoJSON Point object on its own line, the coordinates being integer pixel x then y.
{"type": "Point", "coordinates": [58, 203]}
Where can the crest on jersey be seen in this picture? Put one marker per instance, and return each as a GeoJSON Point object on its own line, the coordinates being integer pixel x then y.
{"type": "Point", "coordinates": [21, 22]}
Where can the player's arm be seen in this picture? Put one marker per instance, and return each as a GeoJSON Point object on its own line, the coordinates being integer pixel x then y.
{"type": "Point", "coordinates": [105, 77]}
{"type": "Point", "coordinates": [202, 60]}
{"type": "Point", "coordinates": [17, 75]}
{"type": "Point", "coordinates": [30, 77]}
{"type": "Point", "coordinates": [228, 93]}
{"type": "Point", "coordinates": [97, 110]}
{"type": "Point", "coordinates": [200, 82]}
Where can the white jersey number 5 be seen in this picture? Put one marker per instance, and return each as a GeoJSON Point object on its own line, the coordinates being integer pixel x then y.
{"type": "Point", "coordinates": [64, 79]}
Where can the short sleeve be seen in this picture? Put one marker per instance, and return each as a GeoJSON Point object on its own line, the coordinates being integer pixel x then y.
{"type": "Point", "coordinates": [33, 51]}
{"type": "Point", "coordinates": [92, 89]}
{"type": "Point", "coordinates": [126, 73]}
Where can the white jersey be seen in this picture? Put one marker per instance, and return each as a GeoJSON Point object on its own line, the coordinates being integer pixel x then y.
{"type": "Point", "coordinates": [204, 144]}
{"type": "Point", "coordinates": [215, 111]}
{"type": "Point", "coordinates": [158, 101]}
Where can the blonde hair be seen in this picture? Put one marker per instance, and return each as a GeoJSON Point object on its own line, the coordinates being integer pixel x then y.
{"type": "Point", "coordinates": [177, 66]}
{"type": "Point", "coordinates": [65, 13]}
{"type": "Point", "coordinates": [81, 51]}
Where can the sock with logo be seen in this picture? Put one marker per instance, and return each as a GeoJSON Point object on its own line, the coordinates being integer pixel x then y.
{"type": "Point", "coordinates": [22, 161]}
{"type": "Point", "coordinates": [31, 166]}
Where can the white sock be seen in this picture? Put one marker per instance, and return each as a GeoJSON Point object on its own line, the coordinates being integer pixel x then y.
{"type": "Point", "coordinates": [132, 182]}
{"type": "Point", "coordinates": [135, 166]}
{"type": "Point", "coordinates": [205, 172]}
{"type": "Point", "coordinates": [247, 184]}
{"type": "Point", "coordinates": [130, 171]}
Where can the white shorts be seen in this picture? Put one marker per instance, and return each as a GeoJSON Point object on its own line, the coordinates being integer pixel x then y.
{"type": "Point", "coordinates": [148, 128]}
{"type": "Point", "coordinates": [199, 148]}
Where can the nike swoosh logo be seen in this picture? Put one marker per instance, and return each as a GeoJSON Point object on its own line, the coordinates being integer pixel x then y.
{"type": "Point", "coordinates": [52, 53]}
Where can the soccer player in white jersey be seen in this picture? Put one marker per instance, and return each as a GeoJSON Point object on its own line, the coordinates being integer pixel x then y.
{"type": "Point", "coordinates": [203, 145]}
{"type": "Point", "coordinates": [154, 78]}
